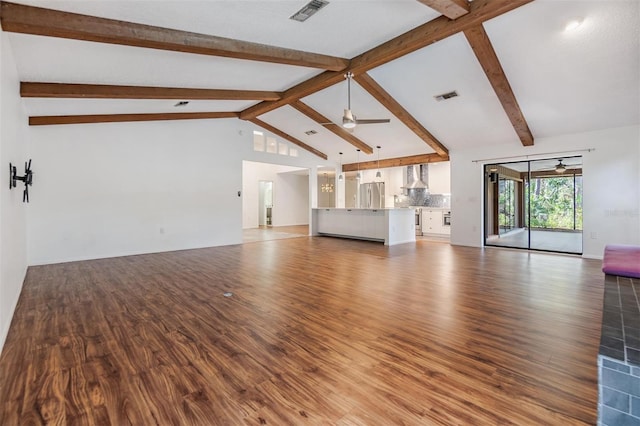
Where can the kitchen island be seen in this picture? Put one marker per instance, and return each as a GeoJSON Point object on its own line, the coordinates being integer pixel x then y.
{"type": "Point", "coordinates": [391, 226]}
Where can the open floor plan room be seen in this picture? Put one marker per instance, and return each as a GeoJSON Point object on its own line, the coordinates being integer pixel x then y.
{"type": "Point", "coordinates": [308, 330]}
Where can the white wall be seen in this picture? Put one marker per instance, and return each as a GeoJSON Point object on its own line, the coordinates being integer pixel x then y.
{"type": "Point", "coordinates": [118, 189]}
{"type": "Point", "coordinates": [126, 188]}
{"type": "Point", "coordinates": [13, 212]}
{"type": "Point", "coordinates": [611, 184]}
{"type": "Point", "coordinates": [290, 194]}
{"type": "Point", "coordinates": [440, 178]}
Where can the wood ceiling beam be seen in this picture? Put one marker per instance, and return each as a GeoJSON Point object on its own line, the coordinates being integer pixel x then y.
{"type": "Point", "coordinates": [105, 91]}
{"type": "Point", "coordinates": [382, 96]}
{"type": "Point", "coordinates": [481, 45]}
{"type": "Point", "coordinates": [288, 137]}
{"type": "Point", "coordinates": [306, 88]}
{"type": "Point", "coordinates": [452, 9]}
{"type": "Point", "coordinates": [431, 32]}
{"type": "Point", "coordinates": [45, 120]}
{"type": "Point", "coordinates": [338, 130]}
{"type": "Point", "coordinates": [395, 162]}
{"type": "Point", "coordinates": [19, 18]}
{"type": "Point", "coordinates": [422, 36]}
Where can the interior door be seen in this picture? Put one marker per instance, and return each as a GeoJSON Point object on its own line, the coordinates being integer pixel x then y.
{"type": "Point", "coordinates": [265, 203]}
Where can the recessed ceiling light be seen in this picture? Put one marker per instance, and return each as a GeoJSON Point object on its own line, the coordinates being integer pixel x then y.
{"type": "Point", "coordinates": [573, 25]}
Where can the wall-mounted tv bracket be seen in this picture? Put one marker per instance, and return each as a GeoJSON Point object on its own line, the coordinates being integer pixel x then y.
{"type": "Point", "coordinates": [27, 179]}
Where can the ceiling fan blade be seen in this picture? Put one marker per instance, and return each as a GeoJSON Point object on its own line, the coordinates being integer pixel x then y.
{"type": "Point", "coordinates": [372, 120]}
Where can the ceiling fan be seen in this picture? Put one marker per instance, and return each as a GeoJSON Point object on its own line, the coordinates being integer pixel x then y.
{"type": "Point", "coordinates": [561, 167]}
{"type": "Point", "coordinates": [349, 120]}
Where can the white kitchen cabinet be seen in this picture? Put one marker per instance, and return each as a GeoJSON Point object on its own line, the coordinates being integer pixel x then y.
{"type": "Point", "coordinates": [393, 226]}
{"type": "Point", "coordinates": [433, 222]}
{"type": "Point", "coordinates": [327, 221]}
{"type": "Point", "coordinates": [373, 224]}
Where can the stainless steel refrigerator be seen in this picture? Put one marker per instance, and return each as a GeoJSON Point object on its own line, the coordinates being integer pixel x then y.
{"type": "Point", "coordinates": [372, 195]}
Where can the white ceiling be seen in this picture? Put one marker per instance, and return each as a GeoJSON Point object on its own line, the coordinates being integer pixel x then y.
{"type": "Point", "coordinates": [564, 82]}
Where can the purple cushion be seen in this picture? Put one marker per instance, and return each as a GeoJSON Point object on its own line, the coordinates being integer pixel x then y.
{"type": "Point", "coordinates": [623, 260]}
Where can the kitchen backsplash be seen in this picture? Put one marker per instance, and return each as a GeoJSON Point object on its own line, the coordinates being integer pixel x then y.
{"type": "Point", "coordinates": [423, 200]}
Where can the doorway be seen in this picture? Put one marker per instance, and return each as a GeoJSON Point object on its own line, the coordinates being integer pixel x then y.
{"type": "Point", "coordinates": [535, 205]}
{"type": "Point", "coordinates": [265, 203]}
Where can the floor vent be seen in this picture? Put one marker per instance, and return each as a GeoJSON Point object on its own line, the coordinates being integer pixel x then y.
{"type": "Point", "coordinates": [308, 10]}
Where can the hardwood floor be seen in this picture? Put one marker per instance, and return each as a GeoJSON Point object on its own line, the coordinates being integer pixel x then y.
{"type": "Point", "coordinates": [560, 241]}
{"type": "Point", "coordinates": [317, 331]}
{"type": "Point", "coordinates": [267, 233]}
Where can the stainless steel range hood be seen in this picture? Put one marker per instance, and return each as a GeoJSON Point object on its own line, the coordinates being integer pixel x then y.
{"type": "Point", "coordinates": [417, 176]}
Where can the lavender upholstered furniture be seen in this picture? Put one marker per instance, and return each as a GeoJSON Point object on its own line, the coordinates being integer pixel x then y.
{"type": "Point", "coordinates": [622, 260]}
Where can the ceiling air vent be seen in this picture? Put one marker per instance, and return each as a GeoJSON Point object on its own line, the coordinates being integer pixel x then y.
{"type": "Point", "coordinates": [308, 10]}
{"type": "Point", "coordinates": [446, 96]}
{"type": "Point", "coordinates": [310, 132]}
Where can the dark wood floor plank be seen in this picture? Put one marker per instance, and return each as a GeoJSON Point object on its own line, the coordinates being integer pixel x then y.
{"type": "Point", "coordinates": [318, 331]}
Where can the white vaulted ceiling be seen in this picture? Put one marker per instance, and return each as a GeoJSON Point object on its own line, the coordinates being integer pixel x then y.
{"type": "Point", "coordinates": [564, 82]}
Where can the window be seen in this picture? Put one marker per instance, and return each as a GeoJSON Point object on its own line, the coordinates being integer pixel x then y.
{"type": "Point", "coordinates": [272, 145]}
{"type": "Point", "coordinates": [258, 141]}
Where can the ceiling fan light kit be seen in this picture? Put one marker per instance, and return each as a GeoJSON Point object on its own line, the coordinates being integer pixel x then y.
{"type": "Point", "coordinates": [348, 121]}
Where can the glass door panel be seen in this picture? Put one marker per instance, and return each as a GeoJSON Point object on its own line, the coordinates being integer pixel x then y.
{"type": "Point", "coordinates": [506, 204]}
{"type": "Point", "coordinates": [556, 205]}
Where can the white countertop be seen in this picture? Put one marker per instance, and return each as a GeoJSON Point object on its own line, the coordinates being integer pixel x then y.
{"type": "Point", "coordinates": [430, 208]}
{"type": "Point", "coordinates": [357, 208]}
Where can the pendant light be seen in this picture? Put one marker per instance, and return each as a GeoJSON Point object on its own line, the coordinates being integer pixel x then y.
{"type": "Point", "coordinates": [340, 177]}
{"type": "Point", "coordinates": [378, 174]}
{"type": "Point", "coordinates": [358, 175]}
{"type": "Point", "coordinates": [326, 186]}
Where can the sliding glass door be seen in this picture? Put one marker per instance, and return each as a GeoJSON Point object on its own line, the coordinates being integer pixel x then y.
{"type": "Point", "coordinates": [535, 205]}
{"type": "Point", "coordinates": [506, 205]}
